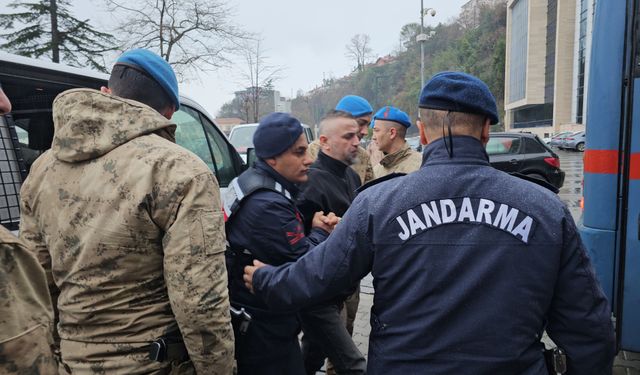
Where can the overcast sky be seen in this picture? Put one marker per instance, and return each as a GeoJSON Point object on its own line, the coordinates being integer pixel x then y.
{"type": "Point", "coordinates": [306, 37]}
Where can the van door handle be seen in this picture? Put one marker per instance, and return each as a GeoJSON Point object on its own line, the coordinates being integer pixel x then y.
{"type": "Point", "coordinates": [513, 161]}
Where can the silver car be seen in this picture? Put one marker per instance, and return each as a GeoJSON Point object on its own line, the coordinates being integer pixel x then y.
{"type": "Point", "coordinates": [557, 139]}
{"type": "Point", "coordinates": [575, 141]}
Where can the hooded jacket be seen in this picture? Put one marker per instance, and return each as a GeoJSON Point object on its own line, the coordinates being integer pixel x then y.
{"type": "Point", "coordinates": [129, 228]}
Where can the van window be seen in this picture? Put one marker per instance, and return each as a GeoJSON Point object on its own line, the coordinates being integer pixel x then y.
{"type": "Point", "coordinates": [190, 135]}
{"type": "Point", "coordinates": [10, 179]}
{"type": "Point", "coordinates": [221, 153]}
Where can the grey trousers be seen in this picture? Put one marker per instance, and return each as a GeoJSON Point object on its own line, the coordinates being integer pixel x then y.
{"type": "Point", "coordinates": [325, 336]}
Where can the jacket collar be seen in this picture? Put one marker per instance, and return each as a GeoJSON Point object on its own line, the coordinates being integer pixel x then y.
{"type": "Point", "coordinates": [262, 167]}
{"type": "Point", "coordinates": [330, 164]}
{"type": "Point", "coordinates": [466, 149]}
{"type": "Point", "coordinates": [394, 158]}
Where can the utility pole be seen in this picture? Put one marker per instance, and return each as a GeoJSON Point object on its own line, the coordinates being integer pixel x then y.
{"type": "Point", "coordinates": [422, 37]}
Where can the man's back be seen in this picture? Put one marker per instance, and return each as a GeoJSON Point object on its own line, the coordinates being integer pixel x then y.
{"type": "Point", "coordinates": [466, 270]}
{"type": "Point", "coordinates": [123, 214]}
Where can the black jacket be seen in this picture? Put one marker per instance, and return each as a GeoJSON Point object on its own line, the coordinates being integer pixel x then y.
{"type": "Point", "coordinates": [331, 188]}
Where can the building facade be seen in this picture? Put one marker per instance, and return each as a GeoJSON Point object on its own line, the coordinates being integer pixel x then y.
{"type": "Point", "coordinates": [547, 59]}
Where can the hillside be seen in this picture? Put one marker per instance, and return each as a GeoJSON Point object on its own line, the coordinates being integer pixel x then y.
{"type": "Point", "coordinates": [396, 81]}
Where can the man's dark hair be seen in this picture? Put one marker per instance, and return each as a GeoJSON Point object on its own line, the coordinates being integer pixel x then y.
{"type": "Point", "coordinates": [130, 83]}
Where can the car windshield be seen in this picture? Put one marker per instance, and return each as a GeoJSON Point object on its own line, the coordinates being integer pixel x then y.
{"type": "Point", "coordinates": [242, 137]}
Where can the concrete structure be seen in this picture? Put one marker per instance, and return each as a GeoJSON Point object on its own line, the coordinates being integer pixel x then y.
{"type": "Point", "coordinates": [548, 44]}
{"type": "Point", "coordinates": [227, 123]}
{"type": "Point", "coordinates": [470, 11]}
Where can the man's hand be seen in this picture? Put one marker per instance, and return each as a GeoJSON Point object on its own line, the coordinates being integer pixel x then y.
{"type": "Point", "coordinates": [324, 222]}
{"type": "Point", "coordinates": [248, 274]}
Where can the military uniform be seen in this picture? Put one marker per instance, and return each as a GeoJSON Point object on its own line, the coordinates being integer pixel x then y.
{"type": "Point", "coordinates": [129, 226]}
{"type": "Point", "coordinates": [470, 266]}
{"type": "Point", "coordinates": [264, 224]}
{"type": "Point", "coordinates": [26, 315]}
{"type": "Point", "coordinates": [362, 167]}
{"type": "Point", "coordinates": [404, 160]}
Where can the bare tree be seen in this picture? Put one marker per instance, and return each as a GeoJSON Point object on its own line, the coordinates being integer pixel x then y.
{"type": "Point", "coordinates": [192, 35]}
{"type": "Point", "coordinates": [259, 76]}
{"type": "Point", "coordinates": [359, 50]}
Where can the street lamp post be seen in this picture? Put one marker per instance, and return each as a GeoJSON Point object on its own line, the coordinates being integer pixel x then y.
{"type": "Point", "coordinates": [422, 37]}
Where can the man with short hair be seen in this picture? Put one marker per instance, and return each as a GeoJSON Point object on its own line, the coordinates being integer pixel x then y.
{"type": "Point", "coordinates": [470, 265]}
{"type": "Point", "coordinates": [361, 110]}
{"type": "Point", "coordinates": [331, 187]}
{"type": "Point", "coordinates": [130, 226]}
{"type": "Point", "coordinates": [263, 223]}
{"type": "Point", "coordinates": [389, 130]}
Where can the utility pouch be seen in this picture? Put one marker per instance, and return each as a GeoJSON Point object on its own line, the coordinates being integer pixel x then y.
{"type": "Point", "coordinates": [556, 361]}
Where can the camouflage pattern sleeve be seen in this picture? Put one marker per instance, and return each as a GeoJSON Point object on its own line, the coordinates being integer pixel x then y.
{"type": "Point", "coordinates": [196, 276]}
{"type": "Point", "coordinates": [33, 239]}
{"type": "Point", "coordinates": [366, 160]}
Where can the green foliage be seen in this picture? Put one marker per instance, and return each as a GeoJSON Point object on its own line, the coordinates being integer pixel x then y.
{"type": "Point", "coordinates": [47, 28]}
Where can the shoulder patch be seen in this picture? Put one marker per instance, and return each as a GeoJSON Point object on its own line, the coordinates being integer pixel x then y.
{"type": "Point", "coordinates": [379, 180]}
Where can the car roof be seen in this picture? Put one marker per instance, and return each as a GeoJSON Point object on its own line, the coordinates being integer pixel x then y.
{"type": "Point", "coordinates": [512, 134]}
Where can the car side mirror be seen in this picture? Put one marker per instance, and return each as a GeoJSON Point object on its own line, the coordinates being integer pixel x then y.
{"type": "Point", "coordinates": [251, 157]}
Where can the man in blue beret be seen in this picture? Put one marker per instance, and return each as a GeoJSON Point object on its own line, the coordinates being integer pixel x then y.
{"type": "Point", "coordinates": [263, 223]}
{"type": "Point", "coordinates": [130, 231]}
{"type": "Point", "coordinates": [389, 131]}
{"type": "Point", "coordinates": [470, 265]}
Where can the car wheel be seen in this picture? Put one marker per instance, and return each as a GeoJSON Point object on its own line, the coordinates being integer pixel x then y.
{"type": "Point", "coordinates": [580, 147]}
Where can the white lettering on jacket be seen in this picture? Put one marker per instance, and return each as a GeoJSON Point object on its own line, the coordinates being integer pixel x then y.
{"type": "Point", "coordinates": [465, 210]}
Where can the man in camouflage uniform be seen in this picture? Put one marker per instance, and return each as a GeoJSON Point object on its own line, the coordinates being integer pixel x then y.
{"type": "Point", "coordinates": [130, 227]}
{"type": "Point", "coordinates": [389, 130]}
{"type": "Point", "coordinates": [26, 315]}
{"type": "Point", "coordinates": [361, 110]}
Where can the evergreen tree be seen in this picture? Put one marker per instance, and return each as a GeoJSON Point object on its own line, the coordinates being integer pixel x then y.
{"type": "Point", "coordinates": [49, 29]}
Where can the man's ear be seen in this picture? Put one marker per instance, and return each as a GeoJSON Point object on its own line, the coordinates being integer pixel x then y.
{"type": "Point", "coordinates": [423, 135]}
{"type": "Point", "coordinates": [486, 128]}
{"type": "Point", "coordinates": [323, 140]}
{"type": "Point", "coordinates": [271, 161]}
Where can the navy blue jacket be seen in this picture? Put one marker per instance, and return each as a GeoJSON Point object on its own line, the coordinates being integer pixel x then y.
{"type": "Point", "coordinates": [470, 265]}
{"type": "Point", "coordinates": [271, 228]}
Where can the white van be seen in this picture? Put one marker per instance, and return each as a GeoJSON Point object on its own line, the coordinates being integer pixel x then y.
{"type": "Point", "coordinates": [25, 133]}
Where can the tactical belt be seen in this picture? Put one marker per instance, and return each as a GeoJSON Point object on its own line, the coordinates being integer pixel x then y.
{"type": "Point", "coordinates": [167, 349]}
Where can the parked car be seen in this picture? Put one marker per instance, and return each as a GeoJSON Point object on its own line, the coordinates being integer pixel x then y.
{"type": "Point", "coordinates": [557, 139]}
{"type": "Point", "coordinates": [241, 137]}
{"type": "Point", "coordinates": [525, 153]}
{"type": "Point", "coordinates": [27, 131]}
{"type": "Point", "coordinates": [575, 141]}
{"type": "Point", "coordinates": [414, 143]}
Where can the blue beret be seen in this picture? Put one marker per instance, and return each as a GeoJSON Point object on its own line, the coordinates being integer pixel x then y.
{"type": "Point", "coordinates": [276, 132]}
{"type": "Point", "coordinates": [390, 113]}
{"type": "Point", "coordinates": [156, 67]}
{"type": "Point", "coordinates": [356, 105]}
{"type": "Point", "coordinates": [459, 92]}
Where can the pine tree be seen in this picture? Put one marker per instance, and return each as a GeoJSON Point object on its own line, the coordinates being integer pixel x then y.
{"type": "Point", "coordinates": [49, 29]}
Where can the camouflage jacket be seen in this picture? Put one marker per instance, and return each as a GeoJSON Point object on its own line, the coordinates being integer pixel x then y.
{"type": "Point", "coordinates": [26, 315]}
{"type": "Point", "coordinates": [362, 166]}
{"type": "Point", "coordinates": [129, 226]}
{"type": "Point", "coordinates": [404, 160]}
